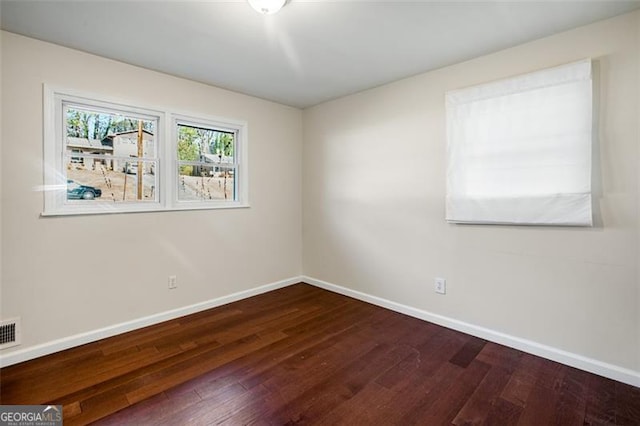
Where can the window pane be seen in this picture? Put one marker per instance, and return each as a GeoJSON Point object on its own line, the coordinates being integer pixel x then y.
{"type": "Point", "coordinates": [197, 182]}
{"type": "Point", "coordinates": [205, 145]}
{"type": "Point", "coordinates": [206, 163]}
{"type": "Point", "coordinates": [107, 180]}
{"type": "Point", "coordinates": [96, 132]}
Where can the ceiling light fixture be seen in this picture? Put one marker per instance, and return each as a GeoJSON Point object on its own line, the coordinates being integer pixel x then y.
{"type": "Point", "coordinates": [267, 7]}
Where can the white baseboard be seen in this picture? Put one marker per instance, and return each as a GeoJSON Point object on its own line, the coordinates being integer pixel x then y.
{"type": "Point", "coordinates": [36, 351]}
{"type": "Point", "coordinates": [604, 369]}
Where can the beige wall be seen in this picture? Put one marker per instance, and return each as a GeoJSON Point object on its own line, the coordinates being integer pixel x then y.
{"type": "Point", "coordinates": [68, 275]}
{"type": "Point", "coordinates": [1, 198]}
{"type": "Point", "coordinates": [373, 207]}
{"type": "Point", "coordinates": [373, 183]}
{"type": "Point", "coordinates": [637, 271]}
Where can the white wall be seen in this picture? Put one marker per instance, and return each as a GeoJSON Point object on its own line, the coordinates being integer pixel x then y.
{"type": "Point", "coordinates": [70, 275]}
{"type": "Point", "coordinates": [1, 198]}
{"type": "Point", "coordinates": [372, 213]}
{"type": "Point", "coordinates": [637, 335]}
{"type": "Point", "coordinates": [373, 207]}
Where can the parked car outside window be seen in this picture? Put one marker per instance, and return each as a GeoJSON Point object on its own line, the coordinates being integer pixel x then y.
{"type": "Point", "coordinates": [75, 191]}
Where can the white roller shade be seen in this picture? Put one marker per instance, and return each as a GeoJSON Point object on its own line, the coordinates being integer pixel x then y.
{"type": "Point", "coordinates": [519, 150]}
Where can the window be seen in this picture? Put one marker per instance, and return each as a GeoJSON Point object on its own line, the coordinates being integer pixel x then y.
{"type": "Point", "coordinates": [103, 157]}
{"type": "Point", "coordinates": [519, 150]}
{"type": "Point", "coordinates": [206, 161]}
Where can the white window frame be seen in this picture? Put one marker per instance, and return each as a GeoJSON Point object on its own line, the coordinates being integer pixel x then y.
{"type": "Point", "coordinates": [239, 129]}
{"type": "Point", "coordinates": [55, 176]}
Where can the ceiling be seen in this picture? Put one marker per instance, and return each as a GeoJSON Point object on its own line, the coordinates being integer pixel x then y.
{"type": "Point", "coordinates": [308, 53]}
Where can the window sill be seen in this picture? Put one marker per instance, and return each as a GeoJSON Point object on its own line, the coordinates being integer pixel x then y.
{"type": "Point", "coordinates": [91, 212]}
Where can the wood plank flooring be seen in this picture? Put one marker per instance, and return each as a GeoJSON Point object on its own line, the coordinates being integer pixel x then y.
{"type": "Point", "coordinates": [302, 355]}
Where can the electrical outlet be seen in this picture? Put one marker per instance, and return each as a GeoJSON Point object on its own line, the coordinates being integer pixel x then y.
{"type": "Point", "coordinates": [173, 282]}
{"type": "Point", "coordinates": [441, 285]}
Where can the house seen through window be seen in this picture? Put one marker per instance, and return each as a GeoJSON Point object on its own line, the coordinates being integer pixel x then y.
{"type": "Point", "coordinates": [109, 156]}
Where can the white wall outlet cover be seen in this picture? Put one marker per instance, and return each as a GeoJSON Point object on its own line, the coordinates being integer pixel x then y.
{"type": "Point", "coordinates": [440, 285]}
{"type": "Point", "coordinates": [173, 281]}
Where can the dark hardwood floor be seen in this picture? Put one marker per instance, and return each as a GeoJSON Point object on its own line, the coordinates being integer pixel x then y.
{"type": "Point", "coordinates": [305, 355]}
